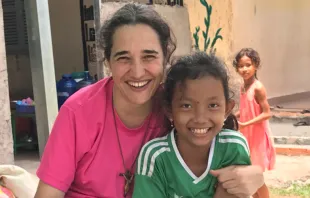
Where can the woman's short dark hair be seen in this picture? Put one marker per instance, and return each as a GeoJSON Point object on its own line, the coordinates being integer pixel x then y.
{"type": "Point", "coordinates": [131, 14]}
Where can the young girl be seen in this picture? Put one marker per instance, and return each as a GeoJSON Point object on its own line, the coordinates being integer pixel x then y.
{"type": "Point", "coordinates": [254, 113]}
{"type": "Point", "coordinates": [204, 137]}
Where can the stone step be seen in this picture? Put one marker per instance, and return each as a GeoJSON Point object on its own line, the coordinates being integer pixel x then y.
{"type": "Point", "coordinates": [294, 140]}
{"type": "Point", "coordinates": [288, 129]}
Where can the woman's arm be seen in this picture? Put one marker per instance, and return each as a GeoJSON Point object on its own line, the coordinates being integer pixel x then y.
{"type": "Point", "coordinates": [241, 181]}
{"type": "Point", "coordinates": [261, 99]}
{"type": "Point", "coordinates": [47, 191]}
{"type": "Point", "coordinates": [61, 154]}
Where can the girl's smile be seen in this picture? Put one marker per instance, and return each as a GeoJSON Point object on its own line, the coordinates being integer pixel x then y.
{"type": "Point", "coordinates": [198, 115]}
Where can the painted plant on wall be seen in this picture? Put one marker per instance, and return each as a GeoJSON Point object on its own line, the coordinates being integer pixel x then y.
{"type": "Point", "coordinates": [205, 33]}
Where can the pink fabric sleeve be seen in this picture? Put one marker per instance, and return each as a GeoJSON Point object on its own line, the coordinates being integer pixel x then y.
{"type": "Point", "coordinates": [60, 157]}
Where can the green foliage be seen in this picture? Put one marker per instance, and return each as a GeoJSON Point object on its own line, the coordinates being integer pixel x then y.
{"type": "Point", "coordinates": [205, 33]}
{"type": "Point", "coordinates": [196, 37]}
{"type": "Point", "coordinates": [296, 190]}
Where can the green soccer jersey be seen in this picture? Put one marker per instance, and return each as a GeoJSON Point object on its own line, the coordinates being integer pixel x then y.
{"type": "Point", "coordinates": [162, 173]}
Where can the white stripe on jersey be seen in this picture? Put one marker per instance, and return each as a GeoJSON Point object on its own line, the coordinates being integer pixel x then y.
{"type": "Point", "coordinates": [234, 133]}
{"type": "Point", "coordinates": [230, 140]}
{"type": "Point", "coordinates": [143, 148]}
{"type": "Point", "coordinates": [176, 196]}
{"type": "Point", "coordinates": [147, 154]}
{"type": "Point", "coordinates": [156, 154]}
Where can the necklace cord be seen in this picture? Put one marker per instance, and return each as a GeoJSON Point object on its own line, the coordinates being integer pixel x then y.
{"type": "Point", "coordinates": [119, 142]}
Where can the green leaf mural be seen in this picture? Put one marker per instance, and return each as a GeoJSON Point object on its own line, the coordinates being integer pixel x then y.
{"type": "Point", "coordinates": [205, 33]}
{"type": "Point", "coordinates": [196, 37]}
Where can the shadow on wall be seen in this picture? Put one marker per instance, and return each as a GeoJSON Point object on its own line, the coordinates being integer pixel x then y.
{"type": "Point", "coordinates": [19, 76]}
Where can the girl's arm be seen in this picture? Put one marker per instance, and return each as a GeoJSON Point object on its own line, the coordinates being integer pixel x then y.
{"type": "Point", "coordinates": [261, 99]}
{"type": "Point", "coordinates": [237, 178]}
{"type": "Point", "coordinates": [222, 193]}
{"type": "Point", "coordinates": [237, 114]}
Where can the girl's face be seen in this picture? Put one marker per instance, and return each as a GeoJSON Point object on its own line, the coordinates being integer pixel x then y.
{"type": "Point", "coordinates": [246, 68]}
{"type": "Point", "coordinates": [199, 109]}
{"type": "Point", "coordinates": [136, 62]}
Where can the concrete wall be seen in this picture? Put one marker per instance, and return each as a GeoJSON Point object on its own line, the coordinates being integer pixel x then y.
{"type": "Point", "coordinates": [138, 1]}
{"type": "Point", "coordinates": [277, 29]}
{"type": "Point", "coordinates": [6, 141]}
{"type": "Point", "coordinates": [176, 17]}
{"type": "Point", "coordinates": [221, 17]}
{"type": "Point", "coordinates": [280, 31]}
{"type": "Point", "coordinates": [67, 44]}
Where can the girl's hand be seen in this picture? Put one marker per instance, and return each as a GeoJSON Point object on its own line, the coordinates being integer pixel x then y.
{"type": "Point", "coordinates": [241, 181]}
{"type": "Point", "coordinates": [241, 125]}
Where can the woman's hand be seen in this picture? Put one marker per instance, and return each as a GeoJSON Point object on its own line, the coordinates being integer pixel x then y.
{"type": "Point", "coordinates": [222, 193]}
{"type": "Point", "coordinates": [241, 181]}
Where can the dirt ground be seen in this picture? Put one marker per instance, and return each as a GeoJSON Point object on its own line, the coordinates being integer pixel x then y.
{"type": "Point", "coordinates": [289, 169]}
{"type": "Point", "coordinates": [285, 197]}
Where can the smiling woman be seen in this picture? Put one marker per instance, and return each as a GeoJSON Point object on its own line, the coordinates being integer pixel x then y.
{"type": "Point", "coordinates": [99, 131]}
{"type": "Point", "coordinates": [95, 141]}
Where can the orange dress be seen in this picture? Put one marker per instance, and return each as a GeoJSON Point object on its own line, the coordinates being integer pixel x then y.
{"type": "Point", "coordinates": [258, 135]}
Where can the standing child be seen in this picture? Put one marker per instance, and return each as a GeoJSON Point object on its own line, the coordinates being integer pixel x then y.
{"type": "Point", "coordinates": [204, 139]}
{"type": "Point", "coordinates": [254, 113]}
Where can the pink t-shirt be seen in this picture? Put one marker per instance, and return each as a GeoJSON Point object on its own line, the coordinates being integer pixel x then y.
{"type": "Point", "coordinates": [82, 156]}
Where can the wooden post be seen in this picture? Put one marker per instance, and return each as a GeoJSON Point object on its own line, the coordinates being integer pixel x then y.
{"type": "Point", "coordinates": [42, 67]}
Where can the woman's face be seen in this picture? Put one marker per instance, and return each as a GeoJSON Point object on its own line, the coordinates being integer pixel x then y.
{"type": "Point", "coordinates": [136, 62]}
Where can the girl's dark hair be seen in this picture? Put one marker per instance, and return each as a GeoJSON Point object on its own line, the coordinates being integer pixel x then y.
{"type": "Point", "coordinates": [231, 122]}
{"type": "Point", "coordinates": [131, 14]}
{"type": "Point", "coordinates": [193, 67]}
{"type": "Point", "coordinates": [249, 52]}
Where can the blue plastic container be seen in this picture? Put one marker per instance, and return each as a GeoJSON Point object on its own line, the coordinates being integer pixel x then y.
{"type": "Point", "coordinates": [65, 88]}
{"type": "Point", "coordinates": [87, 80]}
